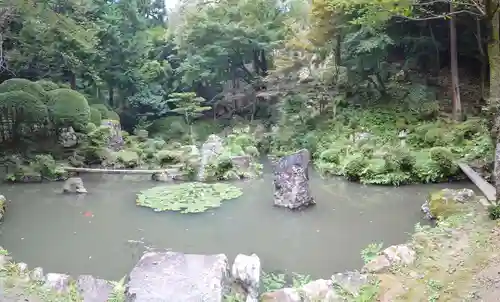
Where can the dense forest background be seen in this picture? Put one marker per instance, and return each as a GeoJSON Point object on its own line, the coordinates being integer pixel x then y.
{"type": "Point", "coordinates": [131, 55]}
{"type": "Point", "coordinates": [308, 71]}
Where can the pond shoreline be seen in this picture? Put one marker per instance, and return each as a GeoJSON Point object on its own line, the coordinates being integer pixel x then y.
{"type": "Point", "coordinates": [353, 283]}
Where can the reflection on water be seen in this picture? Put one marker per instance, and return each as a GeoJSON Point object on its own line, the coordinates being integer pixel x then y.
{"type": "Point", "coordinates": [104, 233]}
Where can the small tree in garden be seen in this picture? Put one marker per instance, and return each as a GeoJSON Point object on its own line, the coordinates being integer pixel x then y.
{"type": "Point", "coordinates": [190, 106]}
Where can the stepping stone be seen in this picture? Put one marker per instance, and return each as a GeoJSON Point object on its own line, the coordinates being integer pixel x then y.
{"type": "Point", "coordinates": [178, 277]}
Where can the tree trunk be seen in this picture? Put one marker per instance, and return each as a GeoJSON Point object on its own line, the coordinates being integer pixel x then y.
{"type": "Point", "coordinates": [111, 95]}
{"type": "Point", "coordinates": [494, 97]}
{"type": "Point", "coordinates": [72, 80]}
{"type": "Point", "coordinates": [456, 103]}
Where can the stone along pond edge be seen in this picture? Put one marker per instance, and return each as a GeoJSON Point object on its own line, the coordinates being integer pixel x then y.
{"type": "Point", "coordinates": [191, 276]}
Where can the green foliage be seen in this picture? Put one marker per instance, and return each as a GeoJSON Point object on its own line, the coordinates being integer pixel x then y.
{"type": "Point", "coordinates": [494, 212]}
{"type": "Point", "coordinates": [102, 109]}
{"type": "Point", "coordinates": [93, 147]}
{"type": "Point", "coordinates": [442, 206]}
{"type": "Point", "coordinates": [26, 107]}
{"type": "Point", "coordinates": [95, 116]}
{"type": "Point", "coordinates": [170, 128]}
{"type": "Point", "coordinates": [129, 158]}
{"type": "Point", "coordinates": [113, 116]}
{"type": "Point", "coordinates": [187, 104]}
{"type": "Point", "coordinates": [371, 251]}
{"type": "Point", "coordinates": [48, 168]}
{"type": "Point", "coordinates": [272, 281]}
{"type": "Point", "coordinates": [24, 85]}
{"type": "Point", "coordinates": [69, 108]}
{"type": "Point", "coordinates": [344, 147]}
{"type": "Point", "coordinates": [224, 36]}
{"type": "Point", "coordinates": [90, 128]}
{"type": "Point", "coordinates": [168, 157]}
{"type": "Point", "coordinates": [187, 197]}
{"type": "Point", "coordinates": [47, 85]}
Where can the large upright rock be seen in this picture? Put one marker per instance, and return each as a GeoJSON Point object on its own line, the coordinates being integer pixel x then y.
{"type": "Point", "coordinates": [246, 272]}
{"type": "Point", "coordinates": [115, 140]}
{"type": "Point", "coordinates": [74, 185]}
{"type": "Point", "coordinates": [177, 277]}
{"type": "Point", "coordinates": [210, 150]}
{"type": "Point", "coordinates": [68, 137]}
{"type": "Point", "coordinates": [3, 202]}
{"type": "Point", "coordinates": [291, 186]}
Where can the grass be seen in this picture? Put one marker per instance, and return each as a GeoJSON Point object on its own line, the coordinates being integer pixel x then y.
{"type": "Point", "coordinates": [17, 286]}
{"type": "Point", "coordinates": [448, 258]}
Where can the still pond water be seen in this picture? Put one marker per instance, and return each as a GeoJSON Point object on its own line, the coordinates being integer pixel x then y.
{"type": "Point", "coordinates": [104, 233]}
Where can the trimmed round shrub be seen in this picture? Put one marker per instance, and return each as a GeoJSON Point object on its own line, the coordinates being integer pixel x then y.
{"type": "Point", "coordinates": [113, 116]}
{"type": "Point", "coordinates": [47, 85]}
{"type": "Point", "coordinates": [170, 127]}
{"type": "Point", "coordinates": [24, 85]}
{"type": "Point", "coordinates": [69, 108]}
{"type": "Point", "coordinates": [64, 85]}
{"type": "Point", "coordinates": [354, 167]}
{"type": "Point", "coordinates": [27, 108]}
{"type": "Point", "coordinates": [95, 116]}
{"type": "Point", "coordinates": [102, 109]}
{"type": "Point", "coordinates": [444, 158]}
{"type": "Point", "coordinates": [90, 127]}
{"type": "Point", "coordinates": [330, 156]}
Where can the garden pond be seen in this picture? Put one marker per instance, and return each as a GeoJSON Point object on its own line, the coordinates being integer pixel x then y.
{"type": "Point", "coordinates": [104, 233]}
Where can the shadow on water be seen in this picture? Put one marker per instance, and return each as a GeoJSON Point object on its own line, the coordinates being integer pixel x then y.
{"type": "Point", "coordinates": [104, 233]}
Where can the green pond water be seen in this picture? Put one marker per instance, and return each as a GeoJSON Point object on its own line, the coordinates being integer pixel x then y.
{"type": "Point", "coordinates": [104, 233]}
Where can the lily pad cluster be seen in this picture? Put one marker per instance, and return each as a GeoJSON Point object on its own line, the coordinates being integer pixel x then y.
{"type": "Point", "coordinates": [187, 197]}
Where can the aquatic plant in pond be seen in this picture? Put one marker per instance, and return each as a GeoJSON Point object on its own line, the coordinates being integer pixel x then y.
{"type": "Point", "coordinates": [187, 197]}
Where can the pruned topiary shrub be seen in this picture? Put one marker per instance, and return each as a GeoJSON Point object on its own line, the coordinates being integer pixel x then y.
{"type": "Point", "coordinates": [444, 158]}
{"type": "Point", "coordinates": [93, 147]}
{"type": "Point", "coordinates": [170, 128]}
{"type": "Point", "coordinates": [128, 158]}
{"type": "Point", "coordinates": [69, 108]}
{"type": "Point", "coordinates": [47, 85]}
{"type": "Point", "coordinates": [95, 116]}
{"type": "Point", "coordinates": [90, 127]}
{"type": "Point", "coordinates": [26, 107]}
{"type": "Point", "coordinates": [169, 157]}
{"type": "Point", "coordinates": [187, 197]}
{"type": "Point", "coordinates": [48, 168]}
{"type": "Point", "coordinates": [102, 109]}
{"type": "Point", "coordinates": [113, 116]}
{"type": "Point", "coordinates": [354, 166]}
{"type": "Point", "coordinates": [24, 85]}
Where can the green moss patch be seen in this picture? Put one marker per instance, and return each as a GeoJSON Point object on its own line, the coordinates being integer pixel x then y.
{"type": "Point", "coordinates": [188, 197]}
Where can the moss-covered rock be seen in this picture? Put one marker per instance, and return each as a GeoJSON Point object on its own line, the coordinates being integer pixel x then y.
{"type": "Point", "coordinates": [447, 202]}
{"type": "Point", "coordinates": [69, 108]}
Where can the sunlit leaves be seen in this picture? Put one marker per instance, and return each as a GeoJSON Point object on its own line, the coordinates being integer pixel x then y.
{"type": "Point", "coordinates": [218, 39]}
